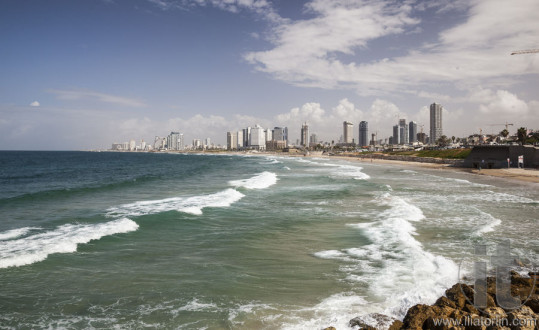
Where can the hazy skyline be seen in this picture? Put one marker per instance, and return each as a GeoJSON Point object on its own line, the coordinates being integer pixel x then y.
{"type": "Point", "coordinates": [84, 74]}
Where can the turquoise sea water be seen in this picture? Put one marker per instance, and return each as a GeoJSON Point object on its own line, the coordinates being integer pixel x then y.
{"type": "Point", "coordinates": [138, 240]}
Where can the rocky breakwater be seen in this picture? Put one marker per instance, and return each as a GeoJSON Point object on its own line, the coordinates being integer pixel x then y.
{"type": "Point", "coordinates": [456, 310]}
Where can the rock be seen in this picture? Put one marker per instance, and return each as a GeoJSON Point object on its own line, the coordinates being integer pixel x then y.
{"type": "Point", "coordinates": [533, 303]}
{"type": "Point", "coordinates": [494, 313]}
{"type": "Point", "coordinates": [330, 328]}
{"type": "Point", "coordinates": [357, 321]}
{"type": "Point", "coordinates": [418, 314]}
{"type": "Point", "coordinates": [444, 301]}
{"type": "Point", "coordinates": [371, 321]}
{"type": "Point", "coordinates": [396, 325]}
{"type": "Point", "coordinates": [471, 309]}
{"type": "Point", "coordinates": [522, 319]}
{"type": "Point", "coordinates": [461, 294]}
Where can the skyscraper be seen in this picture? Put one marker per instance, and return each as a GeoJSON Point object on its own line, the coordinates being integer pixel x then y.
{"type": "Point", "coordinates": [396, 138]}
{"type": "Point", "coordinates": [348, 132]}
{"type": "Point", "coordinates": [257, 138]}
{"type": "Point", "coordinates": [280, 134]}
{"type": "Point", "coordinates": [363, 134]}
{"type": "Point", "coordinates": [435, 122]}
{"type": "Point", "coordinates": [232, 140]}
{"type": "Point", "coordinates": [305, 135]}
{"type": "Point", "coordinates": [403, 132]}
{"type": "Point", "coordinates": [412, 128]}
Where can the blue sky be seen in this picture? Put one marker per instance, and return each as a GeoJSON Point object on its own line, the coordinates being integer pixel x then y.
{"type": "Point", "coordinates": [84, 74]}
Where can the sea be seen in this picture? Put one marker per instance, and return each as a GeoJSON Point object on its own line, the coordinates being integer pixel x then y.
{"type": "Point", "coordinates": [198, 241]}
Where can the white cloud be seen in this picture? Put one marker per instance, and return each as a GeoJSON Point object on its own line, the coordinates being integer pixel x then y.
{"type": "Point", "coordinates": [75, 95]}
{"type": "Point", "coordinates": [35, 104]}
{"type": "Point", "coordinates": [477, 50]}
{"type": "Point", "coordinates": [504, 103]}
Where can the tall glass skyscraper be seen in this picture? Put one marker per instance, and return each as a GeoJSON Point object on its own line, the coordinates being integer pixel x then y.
{"type": "Point", "coordinates": [435, 122]}
{"type": "Point", "coordinates": [363, 134]}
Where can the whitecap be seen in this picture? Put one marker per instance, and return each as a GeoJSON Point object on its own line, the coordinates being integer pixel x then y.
{"type": "Point", "coordinates": [14, 233]}
{"type": "Point", "coordinates": [191, 205]}
{"type": "Point", "coordinates": [260, 181]}
{"type": "Point", "coordinates": [64, 239]}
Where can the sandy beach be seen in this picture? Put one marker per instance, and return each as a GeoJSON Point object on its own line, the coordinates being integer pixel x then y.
{"type": "Point", "coordinates": [518, 174]}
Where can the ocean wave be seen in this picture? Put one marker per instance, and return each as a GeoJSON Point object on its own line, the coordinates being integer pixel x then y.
{"type": "Point", "coordinates": [191, 205]}
{"type": "Point", "coordinates": [14, 233]}
{"type": "Point", "coordinates": [395, 265]}
{"type": "Point", "coordinates": [63, 239]}
{"type": "Point", "coordinates": [260, 181]}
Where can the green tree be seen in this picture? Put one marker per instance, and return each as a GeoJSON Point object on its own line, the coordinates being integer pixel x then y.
{"type": "Point", "coordinates": [521, 134]}
{"type": "Point", "coordinates": [453, 138]}
{"type": "Point", "coordinates": [504, 133]}
{"type": "Point", "coordinates": [443, 141]}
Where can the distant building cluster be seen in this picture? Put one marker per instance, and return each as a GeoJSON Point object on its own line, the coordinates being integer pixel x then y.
{"type": "Point", "coordinates": [405, 135]}
{"type": "Point", "coordinates": [257, 138]}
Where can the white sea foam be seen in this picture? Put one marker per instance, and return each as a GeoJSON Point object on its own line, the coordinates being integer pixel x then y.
{"type": "Point", "coordinates": [395, 265]}
{"type": "Point", "coordinates": [64, 239]}
{"type": "Point", "coordinates": [346, 171]}
{"type": "Point", "coordinates": [260, 181]}
{"type": "Point", "coordinates": [192, 205]}
{"type": "Point", "coordinates": [195, 305]}
{"type": "Point", "coordinates": [14, 233]}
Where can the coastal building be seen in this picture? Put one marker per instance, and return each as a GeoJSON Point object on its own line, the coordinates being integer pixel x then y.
{"type": "Point", "coordinates": [239, 139]}
{"type": "Point", "coordinates": [363, 134]}
{"type": "Point", "coordinates": [207, 143]}
{"type": "Point", "coordinates": [403, 132]}
{"type": "Point", "coordinates": [348, 132]}
{"type": "Point", "coordinates": [197, 144]}
{"type": "Point", "coordinates": [232, 140]}
{"type": "Point", "coordinates": [257, 139]}
{"type": "Point", "coordinates": [269, 134]}
{"type": "Point", "coordinates": [280, 134]}
{"type": "Point", "coordinates": [174, 141]}
{"type": "Point", "coordinates": [313, 141]}
{"type": "Point", "coordinates": [422, 137]}
{"type": "Point", "coordinates": [435, 122]}
{"type": "Point", "coordinates": [305, 135]}
{"type": "Point", "coordinates": [412, 129]}
{"type": "Point", "coordinates": [396, 135]}
{"type": "Point", "coordinates": [246, 136]}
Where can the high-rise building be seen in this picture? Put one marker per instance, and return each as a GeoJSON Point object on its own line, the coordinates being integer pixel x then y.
{"type": "Point", "coordinates": [363, 134]}
{"type": "Point", "coordinates": [313, 139]}
{"type": "Point", "coordinates": [257, 139]}
{"type": "Point", "coordinates": [175, 141]}
{"type": "Point", "coordinates": [403, 132]}
{"type": "Point", "coordinates": [412, 129]}
{"type": "Point", "coordinates": [305, 135]}
{"type": "Point", "coordinates": [240, 139]}
{"type": "Point", "coordinates": [280, 134]}
{"type": "Point", "coordinates": [269, 134]}
{"type": "Point", "coordinates": [348, 132]}
{"type": "Point", "coordinates": [396, 135]}
{"type": "Point", "coordinates": [232, 140]}
{"type": "Point", "coordinates": [246, 136]}
{"type": "Point", "coordinates": [435, 122]}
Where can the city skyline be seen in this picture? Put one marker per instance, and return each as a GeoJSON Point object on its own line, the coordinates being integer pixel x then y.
{"type": "Point", "coordinates": [82, 75]}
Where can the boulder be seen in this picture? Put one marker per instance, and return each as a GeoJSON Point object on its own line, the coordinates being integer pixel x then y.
{"type": "Point", "coordinates": [461, 294]}
{"type": "Point", "coordinates": [371, 321]}
{"type": "Point", "coordinates": [533, 303]}
{"type": "Point", "coordinates": [522, 319]}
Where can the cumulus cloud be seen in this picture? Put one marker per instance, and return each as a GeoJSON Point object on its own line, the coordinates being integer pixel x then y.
{"type": "Point", "coordinates": [35, 104]}
{"type": "Point", "coordinates": [503, 103]}
{"type": "Point", "coordinates": [381, 115]}
{"type": "Point", "coordinates": [75, 95]}
{"type": "Point", "coordinates": [305, 52]}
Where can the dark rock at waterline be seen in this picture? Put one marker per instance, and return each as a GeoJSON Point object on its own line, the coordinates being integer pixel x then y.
{"type": "Point", "coordinates": [457, 307]}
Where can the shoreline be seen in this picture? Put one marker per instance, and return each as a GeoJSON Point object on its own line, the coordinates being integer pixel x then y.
{"type": "Point", "coordinates": [519, 175]}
